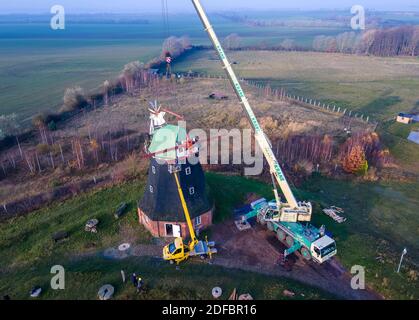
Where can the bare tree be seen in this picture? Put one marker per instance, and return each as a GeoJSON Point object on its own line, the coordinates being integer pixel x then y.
{"type": "Point", "coordinates": [414, 47]}
{"type": "Point", "coordinates": [288, 44]}
{"type": "Point", "coordinates": [130, 74]}
{"type": "Point", "coordinates": [9, 126]}
{"type": "Point", "coordinates": [232, 41]}
{"type": "Point", "coordinates": [74, 98]}
{"type": "Point", "coordinates": [106, 88]}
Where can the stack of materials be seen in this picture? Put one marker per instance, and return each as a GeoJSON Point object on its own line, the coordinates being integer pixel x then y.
{"type": "Point", "coordinates": [334, 213]}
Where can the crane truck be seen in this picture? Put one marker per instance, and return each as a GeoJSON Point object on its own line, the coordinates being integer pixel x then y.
{"type": "Point", "coordinates": [290, 219]}
{"type": "Point", "coordinates": [178, 251]}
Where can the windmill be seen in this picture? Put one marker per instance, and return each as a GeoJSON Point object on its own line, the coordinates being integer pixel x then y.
{"type": "Point", "coordinates": [170, 151]}
{"type": "Point", "coordinates": [156, 116]}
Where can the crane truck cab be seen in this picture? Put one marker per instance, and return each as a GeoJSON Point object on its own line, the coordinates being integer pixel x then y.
{"type": "Point", "coordinates": [175, 251]}
{"type": "Point", "coordinates": [323, 249]}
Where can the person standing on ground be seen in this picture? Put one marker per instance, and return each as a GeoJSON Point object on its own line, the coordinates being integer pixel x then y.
{"type": "Point", "coordinates": [134, 280]}
{"type": "Point", "coordinates": [139, 284]}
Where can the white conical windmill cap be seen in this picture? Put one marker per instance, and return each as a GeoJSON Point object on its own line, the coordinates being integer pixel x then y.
{"type": "Point", "coordinates": [156, 117]}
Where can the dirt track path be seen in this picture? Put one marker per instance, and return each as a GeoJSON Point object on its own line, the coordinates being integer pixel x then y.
{"type": "Point", "coordinates": [258, 250]}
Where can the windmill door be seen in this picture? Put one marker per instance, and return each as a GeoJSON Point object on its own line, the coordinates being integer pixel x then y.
{"type": "Point", "coordinates": [176, 231]}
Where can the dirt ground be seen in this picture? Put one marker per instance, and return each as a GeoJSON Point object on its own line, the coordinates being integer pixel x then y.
{"type": "Point", "coordinates": [258, 250]}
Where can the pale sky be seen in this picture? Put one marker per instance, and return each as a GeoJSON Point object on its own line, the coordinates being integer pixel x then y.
{"type": "Point", "coordinates": [144, 6]}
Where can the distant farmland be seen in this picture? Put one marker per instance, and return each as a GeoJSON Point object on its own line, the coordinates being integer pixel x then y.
{"type": "Point", "coordinates": [38, 64]}
{"type": "Point", "coordinates": [379, 87]}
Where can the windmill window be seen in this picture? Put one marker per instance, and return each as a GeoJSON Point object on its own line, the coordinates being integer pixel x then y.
{"type": "Point", "coordinates": [153, 169]}
{"type": "Point", "coordinates": [198, 221]}
{"type": "Point", "coordinates": [151, 189]}
{"type": "Point", "coordinates": [188, 171]}
{"type": "Point", "coordinates": [191, 190]}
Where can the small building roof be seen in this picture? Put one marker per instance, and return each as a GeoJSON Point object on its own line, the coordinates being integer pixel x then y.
{"type": "Point", "coordinates": [405, 115]}
{"type": "Point", "coordinates": [165, 140]}
{"type": "Point", "coordinates": [414, 137]}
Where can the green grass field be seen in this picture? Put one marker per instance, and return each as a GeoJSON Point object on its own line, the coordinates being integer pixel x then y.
{"type": "Point", "coordinates": [28, 253]}
{"type": "Point", "coordinates": [38, 64]}
{"type": "Point", "coordinates": [375, 86]}
{"type": "Point", "coordinates": [382, 220]}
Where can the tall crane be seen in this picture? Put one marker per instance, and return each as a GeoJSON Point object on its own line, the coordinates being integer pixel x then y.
{"type": "Point", "coordinates": [292, 210]}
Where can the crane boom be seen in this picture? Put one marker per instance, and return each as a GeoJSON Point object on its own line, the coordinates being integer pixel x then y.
{"type": "Point", "coordinates": [194, 240]}
{"type": "Point", "coordinates": [260, 136]}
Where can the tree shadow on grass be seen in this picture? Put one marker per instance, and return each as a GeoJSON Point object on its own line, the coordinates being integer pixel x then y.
{"type": "Point", "coordinates": [381, 105]}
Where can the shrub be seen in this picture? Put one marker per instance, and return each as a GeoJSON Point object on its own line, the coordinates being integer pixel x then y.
{"type": "Point", "coordinates": [43, 148]}
{"type": "Point", "coordinates": [355, 162]}
{"type": "Point", "coordinates": [9, 125]}
{"type": "Point", "coordinates": [74, 98]}
{"type": "Point", "coordinates": [52, 126]}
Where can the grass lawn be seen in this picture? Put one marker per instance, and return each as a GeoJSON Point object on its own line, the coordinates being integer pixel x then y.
{"type": "Point", "coordinates": [85, 276]}
{"type": "Point", "coordinates": [27, 240]}
{"type": "Point", "coordinates": [400, 130]}
{"type": "Point", "coordinates": [28, 253]}
{"type": "Point", "coordinates": [394, 136]}
{"type": "Point", "coordinates": [34, 82]}
{"type": "Point", "coordinates": [378, 87]}
{"type": "Point", "coordinates": [382, 220]}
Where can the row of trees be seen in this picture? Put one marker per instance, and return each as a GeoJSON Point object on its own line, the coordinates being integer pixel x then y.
{"type": "Point", "coordinates": [9, 125]}
{"type": "Point", "coordinates": [381, 42]}
{"type": "Point", "coordinates": [176, 46]}
{"type": "Point", "coordinates": [354, 156]}
{"type": "Point", "coordinates": [134, 76]}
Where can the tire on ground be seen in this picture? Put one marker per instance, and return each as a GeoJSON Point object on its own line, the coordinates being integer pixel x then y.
{"type": "Point", "coordinates": [305, 253]}
{"type": "Point", "coordinates": [280, 234]}
{"type": "Point", "coordinates": [260, 221]}
{"type": "Point", "coordinates": [290, 241]}
{"type": "Point", "coordinates": [270, 225]}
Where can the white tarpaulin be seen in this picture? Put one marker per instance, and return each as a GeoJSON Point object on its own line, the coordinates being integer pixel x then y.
{"type": "Point", "coordinates": [414, 137]}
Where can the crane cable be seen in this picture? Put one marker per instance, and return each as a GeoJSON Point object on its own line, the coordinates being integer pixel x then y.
{"type": "Point", "coordinates": [165, 16]}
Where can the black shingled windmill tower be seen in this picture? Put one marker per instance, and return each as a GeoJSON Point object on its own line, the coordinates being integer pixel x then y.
{"type": "Point", "coordinates": [170, 150]}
